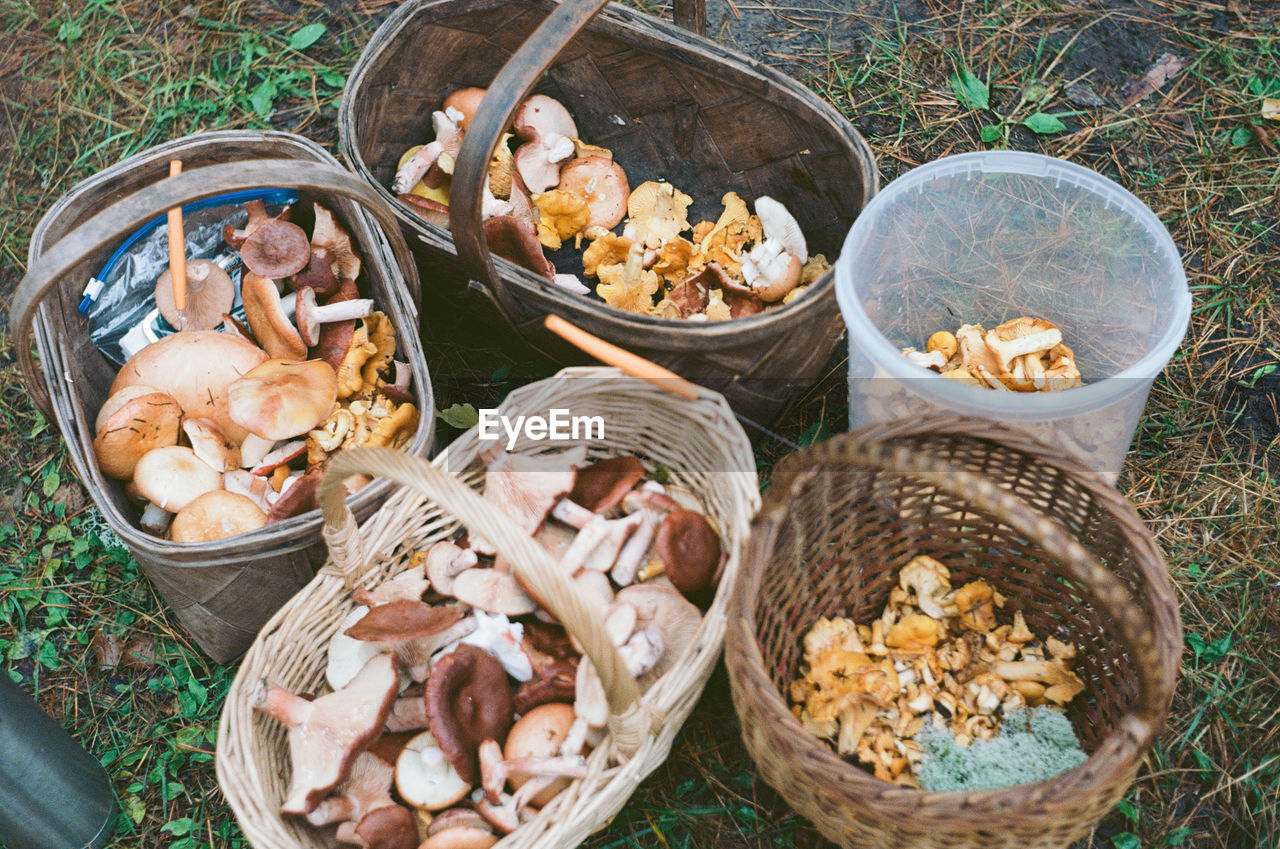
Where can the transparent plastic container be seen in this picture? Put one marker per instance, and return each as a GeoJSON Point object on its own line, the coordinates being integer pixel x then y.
{"type": "Point", "coordinates": [982, 238]}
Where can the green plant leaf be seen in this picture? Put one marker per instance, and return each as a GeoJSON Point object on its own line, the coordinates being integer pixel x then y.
{"type": "Point", "coordinates": [1130, 813]}
{"type": "Point", "coordinates": [305, 37]}
{"type": "Point", "coordinates": [1178, 836]}
{"type": "Point", "coordinates": [1043, 123]}
{"type": "Point", "coordinates": [135, 808]}
{"type": "Point", "coordinates": [970, 91]}
{"type": "Point", "coordinates": [263, 98]}
{"type": "Point", "coordinates": [990, 133]}
{"type": "Point", "coordinates": [333, 79]}
{"type": "Point", "coordinates": [69, 31]}
{"type": "Point", "coordinates": [461, 416]}
{"type": "Point", "coordinates": [1241, 136]}
{"type": "Point", "coordinates": [1126, 840]}
{"type": "Point", "coordinates": [178, 827]}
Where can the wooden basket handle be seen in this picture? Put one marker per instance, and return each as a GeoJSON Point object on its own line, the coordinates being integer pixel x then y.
{"type": "Point", "coordinates": [502, 98]}
{"type": "Point", "coordinates": [117, 221]}
{"type": "Point", "coordinates": [985, 496]}
{"type": "Point", "coordinates": [629, 720]}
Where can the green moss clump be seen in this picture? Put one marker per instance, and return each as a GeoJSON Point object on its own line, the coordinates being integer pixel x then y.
{"type": "Point", "coordinates": [1032, 745]}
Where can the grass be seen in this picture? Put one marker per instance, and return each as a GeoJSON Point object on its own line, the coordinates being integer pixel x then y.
{"type": "Point", "coordinates": [84, 84]}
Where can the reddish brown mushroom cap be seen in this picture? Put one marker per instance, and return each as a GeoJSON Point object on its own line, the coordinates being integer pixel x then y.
{"type": "Point", "coordinates": [404, 620]}
{"type": "Point", "coordinates": [516, 239]}
{"type": "Point", "coordinates": [432, 210]}
{"type": "Point", "coordinates": [216, 515]}
{"type": "Point", "coordinates": [689, 549]}
{"type": "Point", "coordinates": [466, 101]}
{"type": "Point", "coordinates": [150, 420]}
{"type": "Point", "coordinates": [540, 116]}
{"type": "Point", "coordinates": [602, 485]}
{"type": "Point", "coordinates": [276, 249]}
{"type": "Point", "coordinates": [210, 293]}
{"type": "Point", "coordinates": [468, 702]}
{"type": "Point", "coordinates": [391, 827]}
{"type": "Point", "coordinates": [301, 497]}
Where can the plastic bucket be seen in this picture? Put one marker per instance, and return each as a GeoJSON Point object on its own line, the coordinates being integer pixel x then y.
{"type": "Point", "coordinates": [982, 238]}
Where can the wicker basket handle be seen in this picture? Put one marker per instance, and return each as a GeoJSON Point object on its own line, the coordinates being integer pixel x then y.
{"type": "Point", "coordinates": [629, 721]}
{"type": "Point", "coordinates": [1108, 591]}
{"type": "Point", "coordinates": [125, 216]}
{"type": "Point", "coordinates": [502, 98]}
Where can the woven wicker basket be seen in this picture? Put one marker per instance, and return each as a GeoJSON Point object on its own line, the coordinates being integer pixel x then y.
{"type": "Point", "coordinates": [221, 591]}
{"type": "Point", "coordinates": [1065, 549]}
{"type": "Point", "coordinates": [671, 105]}
{"type": "Point", "coordinates": [698, 442]}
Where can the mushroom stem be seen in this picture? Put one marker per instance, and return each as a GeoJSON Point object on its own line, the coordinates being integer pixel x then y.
{"type": "Point", "coordinates": [155, 518]}
{"type": "Point", "coordinates": [572, 513]}
{"type": "Point", "coordinates": [633, 550]}
{"type": "Point", "coordinates": [495, 771]}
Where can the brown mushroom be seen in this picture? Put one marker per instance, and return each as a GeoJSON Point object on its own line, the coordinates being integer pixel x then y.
{"type": "Point", "coordinates": [390, 827]}
{"type": "Point", "coordinates": [689, 549]}
{"type": "Point", "coordinates": [311, 317]}
{"type": "Point", "coordinates": [466, 101]}
{"type": "Point", "coordinates": [195, 368]}
{"type": "Point", "coordinates": [276, 249]}
{"type": "Point", "coordinates": [468, 702]}
{"type": "Point", "coordinates": [527, 487]}
{"type": "Point", "coordinates": [325, 734]}
{"type": "Point", "coordinates": [366, 788]}
{"type": "Point", "coordinates": [257, 217]}
{"type": "Point", "coordinates": [268, 320]}
{"type": "Point", "coordinates": [210, 293]}
{"type": "Point", "coordinates": [172, 477]}
{"type": "Point", "coordinates": [516, 239]}
{"type": "Point", "coordinates": [279, 399]}
{"type": "Point", "coordinates": [411, 630]}
{"type": "Point", "coordinates": [147, 421]}
{"type": "Point", "coordinates": [601, 486]}
{"type": "Point", "coordinates": [217, 514]}
{"type": "Point", "coordinates": [300, 497]}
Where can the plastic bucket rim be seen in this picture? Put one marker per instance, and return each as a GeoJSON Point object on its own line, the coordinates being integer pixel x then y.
{"type": "Point", "coordinates": [1036, 406]}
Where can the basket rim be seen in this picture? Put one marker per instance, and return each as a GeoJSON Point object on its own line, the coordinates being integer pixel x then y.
{"type": "Point", "coordinates": [670, 699]}
{"type": "Point", "coordinates": [440, 237]}
{"type": "Point", "coordinates": [295, 533]}
{"type": "Point", "coordinates": [758, 700]}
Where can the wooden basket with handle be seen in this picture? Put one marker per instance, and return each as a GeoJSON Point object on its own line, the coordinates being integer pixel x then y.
{"type": "Point", "coordinates": [1062, 546]}
{"type": "Point", "coordinates": [671, 105]}
{"type": "Point", "coordinates": [221, 591]}
{"type": "Point", "coordinates": [701, 446]}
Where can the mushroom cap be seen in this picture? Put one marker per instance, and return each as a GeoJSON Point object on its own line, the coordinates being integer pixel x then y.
{"type": "Point", "coordinates": [328, 236]}
{"type": "Point", "coordinates": [689, 549]}
{"type": "Point", "coordinates": [279, 399]}
{"type": "Point", "coordinates": [603, 184]}
{"type": "Point", "coordinates": [118, 400]}
{"type": "Point", "coordinates": [541, 116]}
{"type": "Point", "coordinates": [216, 515]}
{"type": "Point", "coordinates": [602, 485]}
{"type": "Point", "coordinates": [211, 444]}
{"type": "Point", "coordinates": [671, 613]}
{"type": "Point", "coordinates": [424, 776]}
{"type": "Point", "coordinates": [538, 734]}
{"type": "Point", "coordinates": [346, 656]}
{"type": "Point", "coordinates": [657, 212]}
{"type": "Point", "coordinates": [462, 837]}
{"type": "Point", "coordinates": [468, 702]}
{"type": "Point", "coordinates": [195, 367]}
{"type": "Point", "coordinates": [404, 620]}
{"type": "Point", "coordinates": [173, 477]}
{"type": "Point", "coordinates": [210, 293]}
{"type": "Point", "coordinates": [268, 320]}
{"type": "Point", "coordinates": [493, 592]}
{"type": "Point", "coordinates": [390, 827]}
{"type": "Point", "coordinates": [433, 211]}
{"type": "Point", "coordinates": [466, 101]}
{"type": "Point", "coordinates": [780, 226]}
{"type": "Point", "coordinates": [276, 249]}
{"type": "Point", "coordinates": [299, 498]}
{"type": "Point", "coordinates": [516, 239]}
{"type": "Point", "coordinates": [141, 424]}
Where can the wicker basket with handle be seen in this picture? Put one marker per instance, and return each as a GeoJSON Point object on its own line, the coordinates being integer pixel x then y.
{"type": "Point", "coordinates": [698, 442]}
{"type": "Point", "coordinates": [671, 105]}
{"type": "Point", "coordinates": [1063, 547]}
{"type": "Point", "coordinates": [221, 591]}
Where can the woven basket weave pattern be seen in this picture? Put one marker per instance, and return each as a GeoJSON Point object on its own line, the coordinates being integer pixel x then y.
{"type": "Point", "coordinates": [837, 525]}
{"type": "Point", "coordinates": [699, 443]}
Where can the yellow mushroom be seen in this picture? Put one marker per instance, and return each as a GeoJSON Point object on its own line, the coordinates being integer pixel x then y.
{"type": "Point", "coordinates": [561, 214]}
{"type": "Point", "coordinates": [656, 213]}
{"type": "Point", "coordinates": [382, 334]}
{"type": "Point", "coordinates": [628, 286]}
{"type": "Point", "coordinates": [395, 428]}
{"type": "Point", "coordinates": [350, 376]}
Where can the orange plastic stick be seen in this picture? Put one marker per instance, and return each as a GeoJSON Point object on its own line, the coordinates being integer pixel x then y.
{"type": "Point", "coordinates": [177, 249]}
{"type": "Point", "coordinates": [632, 364]}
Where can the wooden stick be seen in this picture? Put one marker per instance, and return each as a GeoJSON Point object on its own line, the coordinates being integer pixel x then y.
{"type": "Point", "coordinates": [632, 364]}
{"type": "Point", "coordinates": [177, 249]}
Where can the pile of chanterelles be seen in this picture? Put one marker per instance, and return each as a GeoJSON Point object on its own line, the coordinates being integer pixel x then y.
{"type": "Point", "coordinates": [1023, 355]}
{"type": "Point", "coordinates": [935, 655]}
{"type": "Point", "coordinates": [546, 186]}
{"type": "Point", "coordinates": [458, 706]}
{"type": "Point", "coordinates": [219, 432]}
